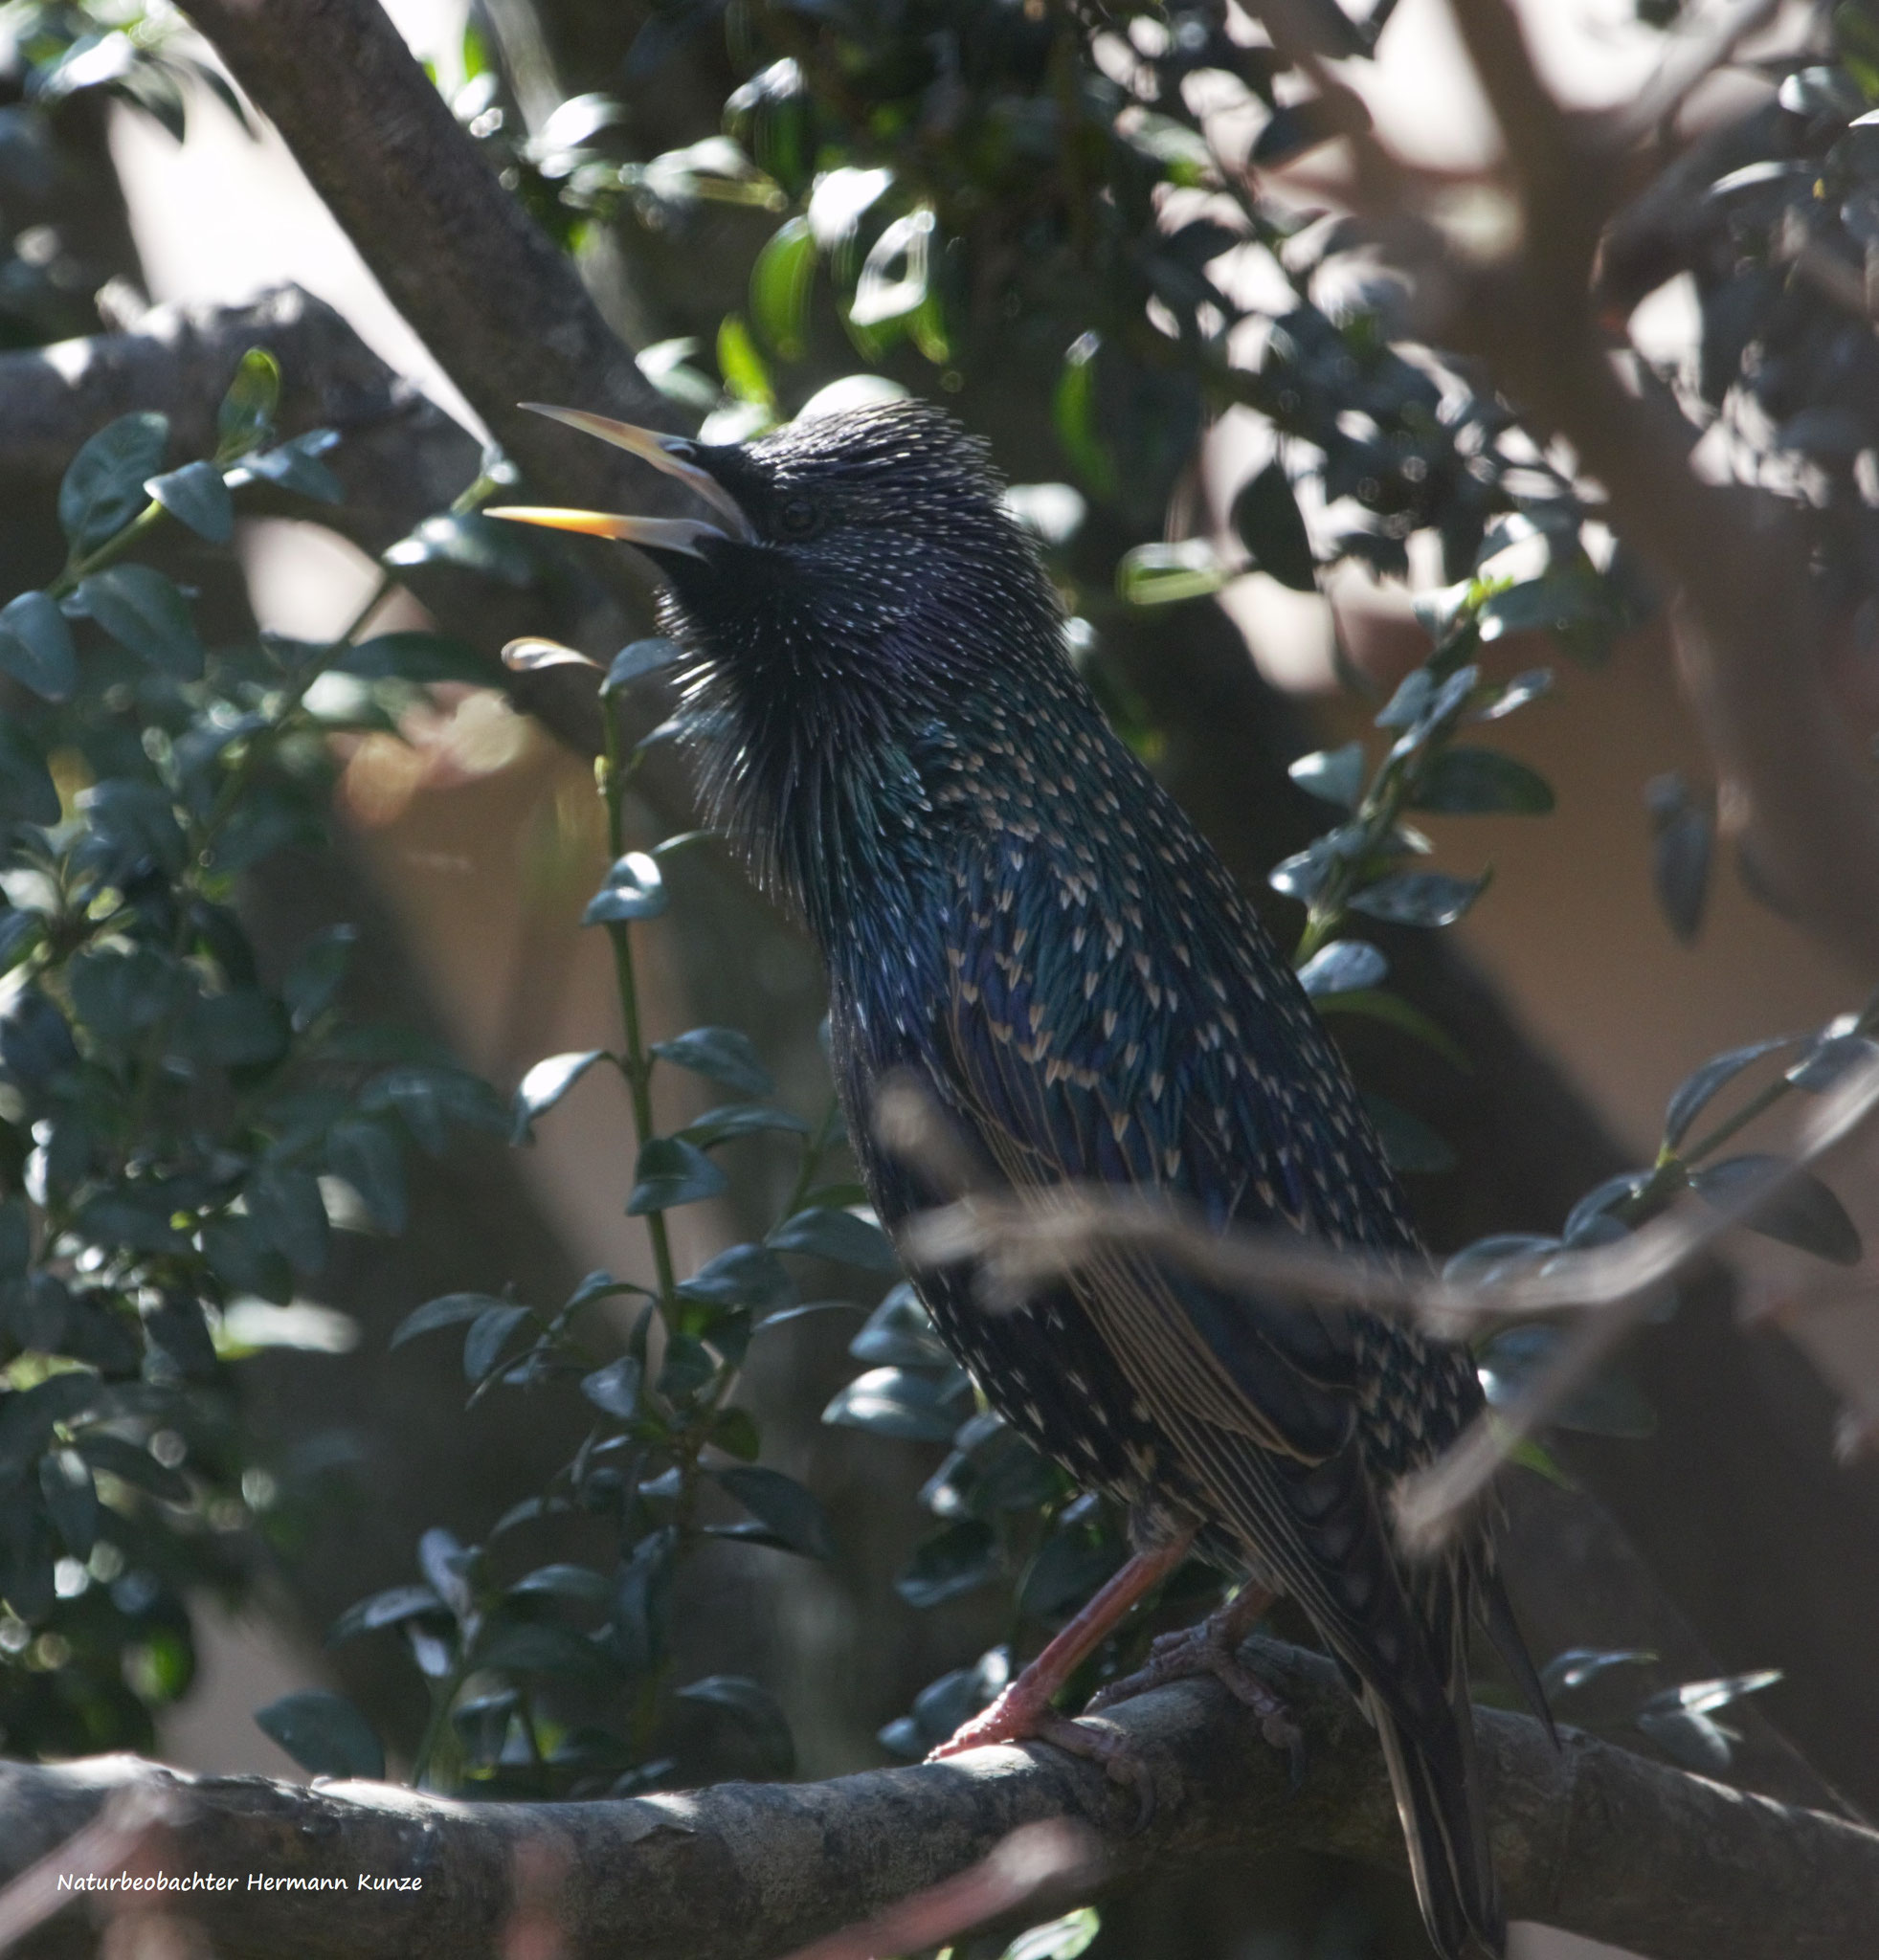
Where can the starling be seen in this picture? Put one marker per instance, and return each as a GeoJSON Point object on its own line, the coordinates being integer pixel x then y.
{"type": "Point", "coordinates": [1015, 913]}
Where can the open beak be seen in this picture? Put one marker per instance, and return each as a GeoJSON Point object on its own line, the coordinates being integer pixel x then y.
{"type": "Point", "coordinates": [666, 455]}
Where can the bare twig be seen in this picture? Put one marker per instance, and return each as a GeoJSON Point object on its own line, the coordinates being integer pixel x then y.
{"type": "Point", "coordinates": [91, 1862]}
{"type": "Point", "coordinates": [1051, 1856]}
{"type": "Point", "coordinates": [1029, 1238]}
{"type": "Point", "coordinates": [1026, 1239]}
{"type": "Point", "coordinates": [1694, 50]}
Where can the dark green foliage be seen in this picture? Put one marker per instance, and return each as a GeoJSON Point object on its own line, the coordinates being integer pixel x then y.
{"type": "Point", "coordinates": [167, 1116]}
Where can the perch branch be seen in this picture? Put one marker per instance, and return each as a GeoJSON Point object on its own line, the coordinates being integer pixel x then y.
{"type": "Point", "coordinates": [1588, 1837]}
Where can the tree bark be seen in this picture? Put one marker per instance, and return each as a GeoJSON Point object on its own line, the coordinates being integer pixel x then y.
{"type": "Point", "coordinates": [1588, 1837]}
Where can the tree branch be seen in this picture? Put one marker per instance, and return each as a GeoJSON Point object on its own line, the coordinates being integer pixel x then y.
{"type": "Point", "coordinates": [1589, 1838]}
{"type": "Point", "coordinates": [1752, 625]}
{"type": "Point", "coordinates": [484, 288]}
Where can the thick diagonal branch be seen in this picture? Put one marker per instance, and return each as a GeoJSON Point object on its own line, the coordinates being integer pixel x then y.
{"type": "Point", "coordinates": [485, 289]}
{"type": "Point", "coordinates": [1589, 1838]}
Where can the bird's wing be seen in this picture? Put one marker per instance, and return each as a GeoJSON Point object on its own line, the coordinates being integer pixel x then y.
{"type": "Point", "coordinates": [1126, 1080]}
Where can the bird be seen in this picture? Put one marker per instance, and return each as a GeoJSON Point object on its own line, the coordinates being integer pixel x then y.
{"type": "Point", "coordinates": [1018, 918]}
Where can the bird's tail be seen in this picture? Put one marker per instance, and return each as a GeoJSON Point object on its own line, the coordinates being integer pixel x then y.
{"type": "Point", "coordinates": [1438, 1794]}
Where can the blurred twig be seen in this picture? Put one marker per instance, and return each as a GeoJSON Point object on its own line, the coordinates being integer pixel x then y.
{"type": "Point", "coordinates": [1025, 1239]}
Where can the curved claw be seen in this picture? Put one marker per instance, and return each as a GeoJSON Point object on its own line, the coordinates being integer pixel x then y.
{"type": "Point", "coordinates": [1209, 1649]}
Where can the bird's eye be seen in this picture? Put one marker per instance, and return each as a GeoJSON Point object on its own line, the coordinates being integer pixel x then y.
{"type": "Point", "coordinates": [799, 516]}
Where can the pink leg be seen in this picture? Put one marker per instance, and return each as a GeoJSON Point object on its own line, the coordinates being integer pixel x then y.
{"type": "Point", "coordinates": [1023, 1711]}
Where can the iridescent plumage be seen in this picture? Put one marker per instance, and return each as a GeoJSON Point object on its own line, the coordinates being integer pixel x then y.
{"type": "Point", "coordinates": [1015, 911]}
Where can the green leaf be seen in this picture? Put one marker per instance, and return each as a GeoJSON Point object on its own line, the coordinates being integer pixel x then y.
{"type": "Point", "coordinates": [1345, 965]}
{"type": "Point", "coordinates": [1267, 516]}
{"type": "Point", "coordinates": [742, 366]}
{"type": "Point", "coordinates": [544, 1086]}
{"type": "Point", "coordinates": [1576, 1667]}
{"type": "Point", "coordinates": [1056, 1939]}
{"type": "Point", "coordinates": [133, 1465]}
{"type": "Point", "coordinates": [387, 1609]}
{"type": "Point", "coordinates": [790, 1510]}
{"type": "Point", "coordinates": [959, 1559]}
{"type": "Point", "coordinates": [536, 1647]}
{"type": "Point", "coordinates": [1609, 1404]}
{"type": "Point", "coordinates": [104, 486]}
{"type": "Point", "coordinates": [296, 466]}
{"type": "Point", "coordinates": [1802, 1213]}
{"type": "Point", "coordinates": [890, 1401]}
{"type": "Point", "coordinates": [445, 1311]}
{"type": "Point", "coordinates": [196, 496]}
{"type": "Point", "coordinates": [239, 1030]}
{"type": "Point", "coordinates": [484, 544]}
{"type": "Point", "coordinates": [245, 418]}
{"type": "Point", "coordinates": [323, 1733]}
{"type": "Point", "coordinates": [1073, 411]}
{"type": "Point", "coordinates": [36, 646]}
{"type": "Point", "coordinates": [741, 1120]}
{"type": "Point", "coordinates": [243, 1263]}
{"type": "Point", "coordinates": [1418, 897]}
{"type": "Point", "coordinates": [641, 657]}
{"type": "Point", "coordinates": [1700, 1087]}
{"type": "Point", "coordinates": [780, 285]}
{"type": "Point", "coordinates": [15, 1241]}
{"type": "Point", "coordinates": [1337, 775]}
{"type": "Point", "coordinates": [756, 1712]}
{"type": "Point", "coordinates": [580, 1583]}
{"type": "Point", "coordinates": [71, 1500]}
{"type": "Point", "coordinates": [899, 1333]}
{"type": "Point", "coordinates": [1379, 1004]}
{"type": "Point", "coordinates": [824, 1233]}
{"type": "Point", "coordinates": [635, 889]}
{"type": "Point", "coordinates": [1474, 782]}
{"type": "Point", "coordinates": [750, 1276]}
{"type": "Point", "coordinates": [285, 1208]}
{"type": "Point", "coordinates": [1164, 574]}
{"type": "Point", "coordinates": [671, 1172]}
{"type": "Point", "coordinates": [313, 981]}
{"type": "Point", "coordinates": [487, 1336]}
{"type": "Point", "coordinates": [1408, 1142]}
{"type": "Point", "coordinates": [422, 659]}
{"type": "Point", "coordinates": [1829, 1056]}
{"type": "Point", "coordinates": [1536, 683]}
{"type": "Point", "coordinates": [721, 1055]}
{"type": "Point", "coordinates": [884, 295]}
{"type": "Point", "coordinates": [614, 1390]}
{"type": "Point", "coordinates": [26, 788]}
{"type": "Point", "coordinates": [367, 1156]}
{"type": "Point", "coordinates": [146, 612]}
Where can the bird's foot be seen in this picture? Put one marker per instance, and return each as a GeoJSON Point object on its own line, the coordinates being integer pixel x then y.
{"type": "Point", "coordinates": [1022, 1715]}
{"type": "Point", "coordinates": [1212, 1648]}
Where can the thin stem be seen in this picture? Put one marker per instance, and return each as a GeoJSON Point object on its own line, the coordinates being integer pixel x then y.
{"type": "Point", "coordinates": [636, 1064]}
{"type": "Point", "coordinates": [113, 548]}
{"type": "Point", "coordinates": [814, 1148]}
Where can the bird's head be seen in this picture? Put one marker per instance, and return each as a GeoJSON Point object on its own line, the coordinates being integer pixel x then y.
{"type": "Point", "coordinates": [851, 551]}
{"type": "Point", "coordinates": [854, 587]}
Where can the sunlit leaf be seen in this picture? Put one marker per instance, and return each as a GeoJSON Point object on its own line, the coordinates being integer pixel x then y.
{"type": "Point", "coordinates": [196, 496]}
{"type": "Point", "coordinates": [544, 1086]}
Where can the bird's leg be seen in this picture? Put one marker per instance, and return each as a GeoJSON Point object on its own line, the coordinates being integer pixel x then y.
{"type": "Point", "coordinates": [1212, 1648]}
{"type": "Point", "coordinates": [1024, 1713]}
